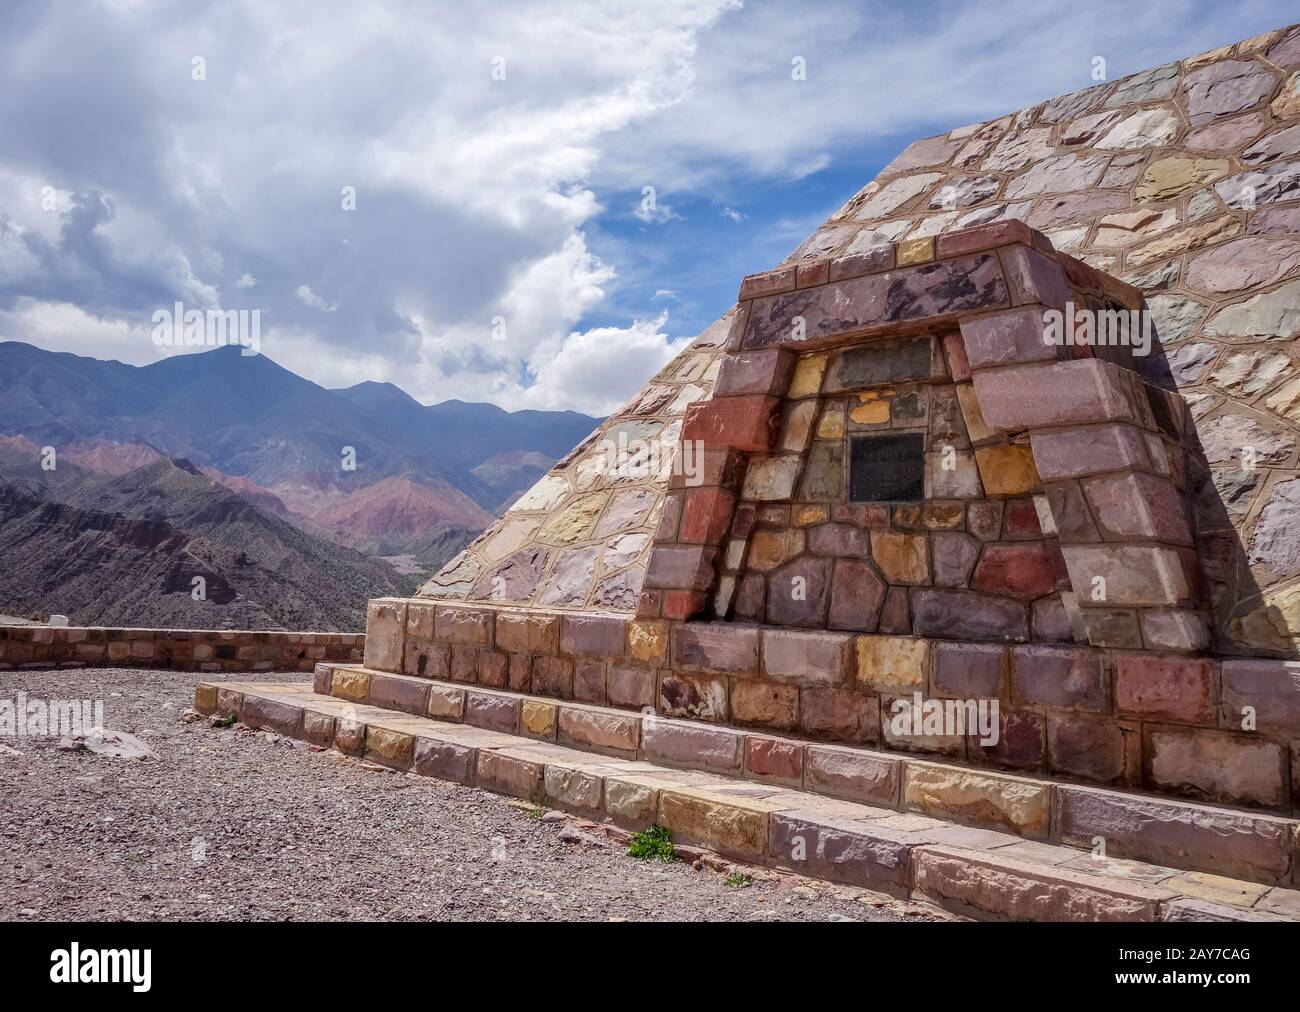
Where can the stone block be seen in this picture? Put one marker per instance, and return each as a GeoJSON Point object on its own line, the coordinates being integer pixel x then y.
{"type": "Point", "coordinates": [774, 759]}
{"type": "Point", "coordinates": [497, 713]}
{"type": "Point", "coordinates": [1235, 769]}
{"type": "Point", "coordinates": [1270, 687]}
{"type": "Point", "coordinates": [893, 664]}
{"type": "Point", "coordinates": [1022, 570]}
{"type": "Point", "coordinates": [600, 731]}
{"type": "Point", "coordinates": [444, 760]}
{"type": "Point", "coordinates": [706, 516]}
{"type": "Point", "coordinates": [1006, 469]}
{"type": "Point", "coordinates": [552, 676]}
{"type": "Point", "coordinates": [822, 658]}
{"type": "Point", "coordinates": [593, 635]}
{"type": "Point", "coordinates": [1165, 687]}
{"type": "Point", "coordinates": [589, 679]}
{"type": "Point", "coordinates": [968, 670]}
{"type": "Point", "coordinates": [572, 789]}
{"type": "Point", "coordinates": [385, 634]}
{"type": "Point", "coordinates": [1079, 452]}
{"type": "Point", "coordinates": [628, 686]}
{"type": "Point", "coordinates": [764, 372]}
{"type": "Point", "coordinates": [1130, 574]}
{"type": "Point", "coordinates": [839, 714]}
{"type": "Point", "coordinates": [527, 632]}
{"type": "Point", "coordinates": [389, 748]}
{"type": "Point", "coordinates": [725, 827]}
{"type": "Point", "coordinates": [857, 595]}
{"type": "Point", "coordinates": [1059, 676]}
{"type": "Point", "coordinates": [446, 703]}
{"type": "Point", "coordinates": [352, 684]}
{"type": "Point", "coordinates": [271, 715]}
{"type": "Point", "coordinates": [1136, 506]}
{"type": "Point", "coordinates": [1180, 834]}
{"type": "Point", "coordinates": [630, 805]}
{"type": "Point", "coordinates": [1174, 629]}
{"type": "Point", "coordinates": [317, 728]}
{"type": "Point", "coordinates": [703, 697]}
{"type": "Point", "coordinates": [764, 704]}
{"type": "Point", "coordinates": [693, 745]}
{"type": "Point", "coordinates": [1100, 750]}
{"type": "Point", "coordinates": [463, 626]}
{"type": "Point", "coordinates": [901, 558]}
{"type": "Point", "coordinates": [1076, 392]}
{"type": "Point", "coordinates": [983, 237]}
{"type": "Point", "coordinates": [988, 799]}
{"type": "Point", "coordinates": [1013, 337]}
{"type": "Point", "coordinates": [683, 604]}
{"type": "Point", "coordinates": [747, 423]}
{"type": "Point", "coordinates": [395, 692]}
{"type": "Point", "coordinates": [780, 280]}
{"type": "Point", "coordinates": [509, 774]}
{"type": "Point", "coordinates": [680, 567]}
{"type": "Point", "coordinates": [853, 853]}
{"type": "Point", "coordinates": [647, 641]}
{"type": "Point", "coordinates": [538, 719]}
{"type": "Point", "coordinates": [1007, 888]}
{"type": "Point", "coordinates": [853, 775]}
{"type": "Point", "coordinates": [716, 647]}
{"type": "Point", "coordinates": [1034, 279]}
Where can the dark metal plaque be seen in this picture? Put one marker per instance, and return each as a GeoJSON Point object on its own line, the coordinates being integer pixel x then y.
{"type": "Point", "coordinates": [887, 468]}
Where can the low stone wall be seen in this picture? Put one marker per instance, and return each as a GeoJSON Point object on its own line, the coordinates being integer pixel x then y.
{"type": "Point", "coordinates": [1219, 730]}
{"type": "Point", "coordinates": [35, 647]}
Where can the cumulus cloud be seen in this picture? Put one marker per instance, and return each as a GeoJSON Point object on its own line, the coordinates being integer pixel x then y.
{"type": "Point", "coordinates": [415, 192]}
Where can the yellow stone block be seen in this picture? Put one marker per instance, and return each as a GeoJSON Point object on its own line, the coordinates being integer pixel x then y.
{"type": "Point", "coordinates": [727, 828]}
{"type": "Point", "coordinates": [807, 516]}
{"type": "Point", "coordinates": [872, 412]}
{"type": "Point", "coordinates": [647, 641]}
{"type": "Point", "coordinates": [807, 378]}
{"type": "Point", "coordinates": [831, 425]}
{"type": "Point", "coordinates": [349, 683]}
{"type": "Point", "coordinates": [392, 748]}
{"type": "Point", "coordinates": [205, 698]}
{"type": "Point", "coordinates": [982, 798]}
{"type": "Point", "coordinates": [902, 558]}
{"type": "Point", "coordinates": [1008, 469]}
{"type": "Point", "coordinates": [892, 663]}
{"type": "Point", "coordinates": [539, 719]}
{"type": "Point", "coordinates": [914, 251]}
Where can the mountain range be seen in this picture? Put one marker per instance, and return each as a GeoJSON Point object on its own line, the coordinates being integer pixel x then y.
{"type": "Point", "coordinates": [188, 465]}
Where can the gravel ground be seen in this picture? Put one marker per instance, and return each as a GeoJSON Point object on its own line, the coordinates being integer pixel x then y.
{"type": "Point", "coordinates": [231, 824]}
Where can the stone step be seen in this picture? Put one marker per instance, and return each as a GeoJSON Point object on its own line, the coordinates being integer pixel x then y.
{"type": "Point", "coordinates": [1239, 843]}
{"type": "Point", "coordinates": [979, 872]}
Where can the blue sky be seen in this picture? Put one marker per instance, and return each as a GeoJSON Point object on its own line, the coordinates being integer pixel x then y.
{"type": "Point", "coordinates": [158, 152]}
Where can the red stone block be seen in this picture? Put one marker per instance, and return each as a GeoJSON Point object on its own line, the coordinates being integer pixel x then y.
{"type": "Point", "coordinates": [1156, 687]}
{"type": "Point", "coordinates": [839, 714]}
{"type": "Point", "coordinates": [815, 273]}
{"type": "Point", "coordinates": [982, 237]}
{"type": "Point", "coordinates": [683, 604]}
{"type": "Point", "coordinates": [1035, 279]}
{"type": "Point", "coordinates": [1021, 742]}
{"type": "Point", "coordinates": [780, 280]}
{"type": "Point", "coordinates": [1021, 520]}
{"type": "Point", "coordinates": [1074, 453]}
{"type": "Point", "coordinates": [647, 604]}
{"type": "Point", "coordinates": [1138, 505]}
{"type": "Point", "coordinates": [1080, 274]}
{"type": "Point", "coordinates": [718, 466]}
{"type": "Point", "coordinates": [968, 670]}
{"type": "Point", "coordinates": [958, 363]}
{"type": "Point", "coordinates": [748, 423]}
{"type": "Point", "coordinates": [463, 626]}
{"type": "Point", "coordinates": [692, 745]}
{"type": "Point", "coordinates": [754, 372]}
{"type": "Point", "coordinates": [707, 516]}
{"type": "Point", "coordinates": [1062, 676]}
{"type": "Point", "coordinates": [1021, 570]}
{"type": "Point", "coordinates": [681, 567]}
{"type": "Point", "coordinates": [774, 759]}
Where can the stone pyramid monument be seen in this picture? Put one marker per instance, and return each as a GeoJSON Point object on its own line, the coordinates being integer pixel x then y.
{"type": "Point", "coordinates": [1016, 428]}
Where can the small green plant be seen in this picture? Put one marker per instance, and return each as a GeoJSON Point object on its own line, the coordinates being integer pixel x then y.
{"type": "Point", "coordinates": [652, 845]}
{"type": "Point", "coordinates": [226, 720]}
{"type": "Point", "coordinates": [738, 880]}
{"type": "Point", "coordinates": [534, 813]}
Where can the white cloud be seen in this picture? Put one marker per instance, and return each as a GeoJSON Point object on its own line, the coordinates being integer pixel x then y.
{"type": "Point", "coordinates": [733, 214]}
{"type": "Point", "coordinates": [246, 281]}
{"type": "Point", "coordinates": [309, 298]}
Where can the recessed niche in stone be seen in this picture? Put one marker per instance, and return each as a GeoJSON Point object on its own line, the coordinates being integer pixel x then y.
{"type": "Point", "coordinates": [887, 468]}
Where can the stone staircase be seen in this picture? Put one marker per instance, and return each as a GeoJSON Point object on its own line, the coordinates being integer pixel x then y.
{"type": "Point", "coordinates": [986, 844]}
